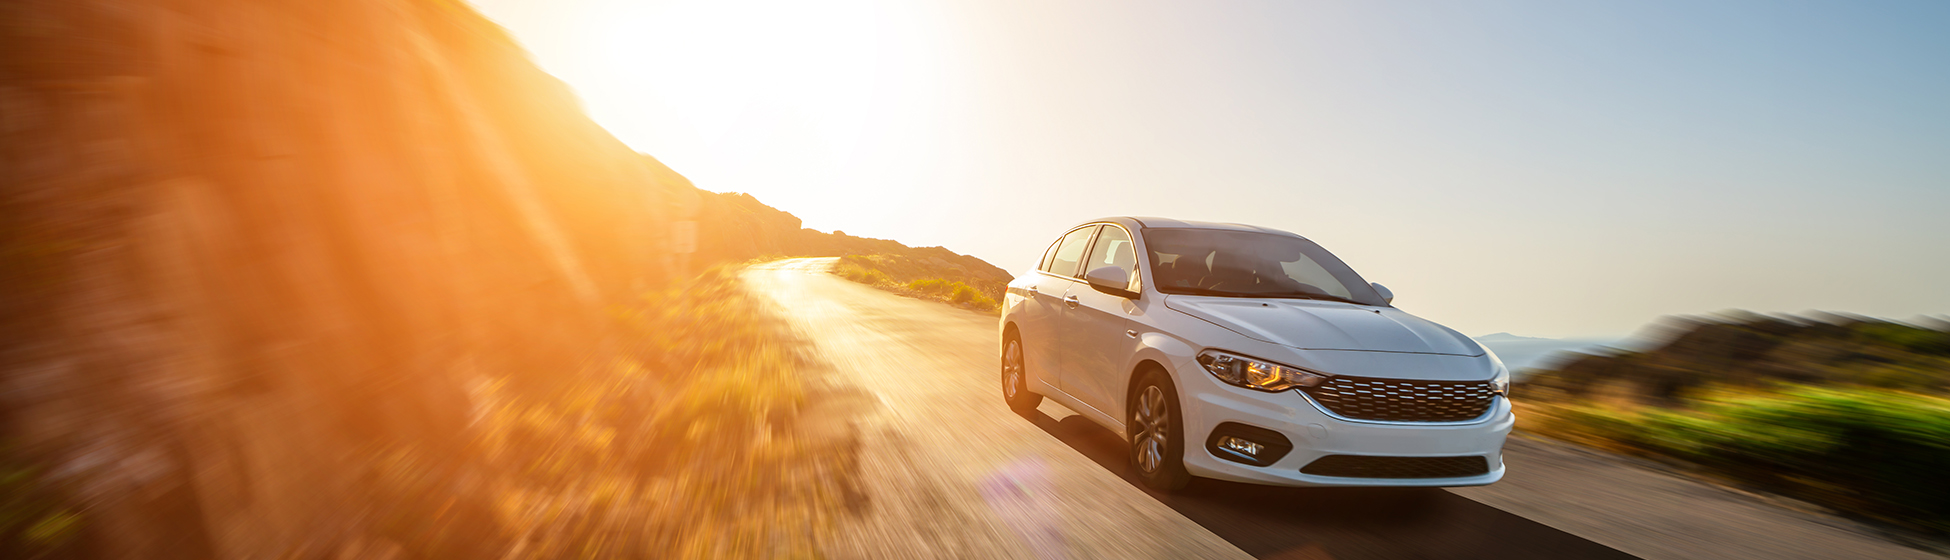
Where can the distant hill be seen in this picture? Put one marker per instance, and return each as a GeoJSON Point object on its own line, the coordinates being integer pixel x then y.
{"type": "Point", "coordinates": [1756, 350]}
{"type": "Point", "coordinates": [736, 227]}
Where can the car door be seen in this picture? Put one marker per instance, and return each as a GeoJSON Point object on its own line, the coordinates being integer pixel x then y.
{"type": "Point", "coordinates": [1041, 336]}
{"type": "Point", "coordinates": [1096, 326]}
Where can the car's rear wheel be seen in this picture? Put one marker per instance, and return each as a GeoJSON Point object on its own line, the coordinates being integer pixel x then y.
{"type": "Point", "coordinates": [1015, 378]}
{"type": "Point", "coordinates": [1157, 433]}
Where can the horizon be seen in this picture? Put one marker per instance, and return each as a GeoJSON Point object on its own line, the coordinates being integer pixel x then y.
{"type": "Point", "coordinates": [1532, 168]}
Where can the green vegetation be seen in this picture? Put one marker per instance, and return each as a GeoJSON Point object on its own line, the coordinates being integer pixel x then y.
{"type": "Point", "coordinates": [1869, 452]}
{"type": "Point", "coordinates": [686, 446]}
{"type": "Point", "coordinates": [1842, 412]}
{"type": "Point", "coordinates": [918, 278]}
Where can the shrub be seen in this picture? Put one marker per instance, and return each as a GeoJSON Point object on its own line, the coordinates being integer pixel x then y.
{"type": "Point", "coordinates": [863, 275]}
{"type": "Point", "coordinates": [935, 286]}
{"type": "Point", "coordinates": [953, 292]}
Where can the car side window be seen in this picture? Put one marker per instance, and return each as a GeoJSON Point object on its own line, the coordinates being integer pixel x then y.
{"type": "Point", "coordinates": [1048, 254]}
{"type": "Point", "coordinates": [1069, 252]}
{"type": "Point", "coordinates": [1114, 248]}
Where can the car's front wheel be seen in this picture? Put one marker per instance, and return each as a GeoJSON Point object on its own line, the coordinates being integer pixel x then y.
{"type": "Point", "coordinates": [1015, 379]}
{"type": "Point", "coordinates": [1157, 432]}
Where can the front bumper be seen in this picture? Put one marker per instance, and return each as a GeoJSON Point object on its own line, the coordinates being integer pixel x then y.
{"type": "Point", "coordinates": [1315, 434]}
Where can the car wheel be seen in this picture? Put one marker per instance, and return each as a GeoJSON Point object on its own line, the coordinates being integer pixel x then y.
{"type": "Point", "coordinates": [1157, 433]}
{"type": "Point", "coordinates": [1015, 379]}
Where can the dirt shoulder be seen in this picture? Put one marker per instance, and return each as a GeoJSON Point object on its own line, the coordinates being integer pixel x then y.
{"type": "Point", "coordinates": [1645, 510]}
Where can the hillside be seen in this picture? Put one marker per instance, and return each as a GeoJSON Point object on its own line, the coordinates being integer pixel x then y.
{"type": "Point", "coordinates": [320, 280]}
{"type": "Point", "coordinates": [271, 271]}
{"type": "Point", "coordinates": [1845, 412]}
{"type": "Point", "coordinates": [1755, 351]}
{"type": "Point", "coordinates": [735, 227]}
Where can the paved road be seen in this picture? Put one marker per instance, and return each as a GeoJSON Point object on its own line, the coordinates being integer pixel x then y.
{"type": "Point", "coordinates": [947, 470]}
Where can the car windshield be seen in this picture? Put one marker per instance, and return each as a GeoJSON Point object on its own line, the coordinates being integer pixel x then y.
{"type": "Point", "coordinates": [1228, 263]}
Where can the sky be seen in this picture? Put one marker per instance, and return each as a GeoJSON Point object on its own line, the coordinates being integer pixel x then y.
{"type": "Point", "coordinates": [1547, 168]}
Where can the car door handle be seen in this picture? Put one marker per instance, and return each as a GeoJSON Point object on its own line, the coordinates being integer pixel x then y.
{"type": "Point", "coordinates": [1132, 334]}
{"type": "Point", "coordinates": [1032, 289]}
{"type": "Point", "coordinates": [1071, 301]}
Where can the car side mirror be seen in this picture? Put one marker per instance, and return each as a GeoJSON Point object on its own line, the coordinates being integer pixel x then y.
{"type": "Point", "coordinates": [1387, 297]}
{"type": "Point", "coordinates": [1111, 280]}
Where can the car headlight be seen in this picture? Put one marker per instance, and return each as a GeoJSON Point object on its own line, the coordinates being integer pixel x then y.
{"type": "Point", "coordinates": [1254, 373]}
{"type": "Point", "coordinates": [1500, 379]}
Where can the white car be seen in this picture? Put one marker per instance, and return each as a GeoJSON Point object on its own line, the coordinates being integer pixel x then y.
{"type": "Point", "coordinates": [1248, 354]}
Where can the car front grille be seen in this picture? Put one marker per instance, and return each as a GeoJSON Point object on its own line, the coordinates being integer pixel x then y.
{"type": "Point", "coordinates": [1364, 466]}
{"type": "Point", "coordinates": [1364, 398]}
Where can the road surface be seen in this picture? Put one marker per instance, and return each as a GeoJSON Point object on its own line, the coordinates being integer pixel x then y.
{"type": "Point", "coordinates": [946, 470]}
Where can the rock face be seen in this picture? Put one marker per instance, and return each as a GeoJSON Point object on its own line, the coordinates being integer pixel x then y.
{"type": "Point", "coordinates": [245, 242]}
{"type": "Point", "coordinates": [1756, 350]}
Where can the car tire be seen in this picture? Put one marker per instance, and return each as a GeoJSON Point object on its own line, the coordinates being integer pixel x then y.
{"type": "Point", "coordinates": [1015, 378]}
{"type": "Point", "coordinates": [1157, 432]}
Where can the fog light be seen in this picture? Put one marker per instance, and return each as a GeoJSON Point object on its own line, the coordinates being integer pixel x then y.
{"type": "Point", "coordinates": [1248, 448]}
{"type": "Point", "coordinates": [1248, 445]}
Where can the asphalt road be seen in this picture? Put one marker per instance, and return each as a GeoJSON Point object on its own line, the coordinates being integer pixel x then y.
{"type": "Point", "coordinates": [946, 470]}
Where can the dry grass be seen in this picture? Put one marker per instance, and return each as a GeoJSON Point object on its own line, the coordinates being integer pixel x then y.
{"type": "Point", "coordinates": [681, 447]}
{"type": "Point", "coordinates": [872, 271]}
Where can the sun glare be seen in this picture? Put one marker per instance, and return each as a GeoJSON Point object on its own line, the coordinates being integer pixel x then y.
{"type": "Point", "coordinates": [820, 93]}
{"type": "Point", "coordinates": [722, 61]}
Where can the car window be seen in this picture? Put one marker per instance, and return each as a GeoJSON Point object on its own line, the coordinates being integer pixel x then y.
{"type": "Point", "coordinates": [1048, 254]}
{"type": "Point", "coordinates": [1114, 248]}
{"type": "Point", "coordinates": [1069, 252]}
{"type": "Point", "coordinates": [1250, 264]}
{"type": "Point", "coordinates": [1310, 273]}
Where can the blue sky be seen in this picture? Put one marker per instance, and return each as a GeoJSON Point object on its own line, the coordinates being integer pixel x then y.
{"type": "Point", "coordinates": [1547, 168]}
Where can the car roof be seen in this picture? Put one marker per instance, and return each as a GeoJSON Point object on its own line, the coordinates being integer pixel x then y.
{"type": "Point", "coordinates": [1155, 222]}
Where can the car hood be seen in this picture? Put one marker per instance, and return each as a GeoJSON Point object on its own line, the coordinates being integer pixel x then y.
{"type": "Point", "coordinates": [1322, 325]}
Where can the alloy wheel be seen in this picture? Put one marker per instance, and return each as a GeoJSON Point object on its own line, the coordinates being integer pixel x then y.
{"type": "Point", "coordinates": [1153, 419]}
{"type": "Point", "coordinates": [1012, 370]}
